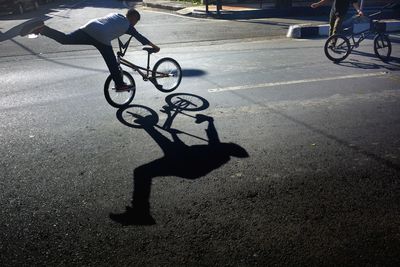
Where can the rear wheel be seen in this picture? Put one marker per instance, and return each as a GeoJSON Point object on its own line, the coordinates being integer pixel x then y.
{"type": "Point", "coordinates": [119, 99]}
{"type": "Point", "coordinates": [337, 48]}
{"type": "Point", "coordinates": [167, 75]}
{"type": "Point", "coordinates": [382, 46]}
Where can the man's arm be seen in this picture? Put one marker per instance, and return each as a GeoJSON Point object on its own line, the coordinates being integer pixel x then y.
{"type": "Point", "coordinates": [318, 4]}
{"type": "Point", "coordinates": [357, 8]}
{"type": "Point", "coordinates": [143, 40]}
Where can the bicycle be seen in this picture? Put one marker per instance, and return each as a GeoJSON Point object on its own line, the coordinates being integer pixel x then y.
{"type": "Point", "coordinates": [166, 76]}
{"type": "Point", "coordinates": [339, 46]}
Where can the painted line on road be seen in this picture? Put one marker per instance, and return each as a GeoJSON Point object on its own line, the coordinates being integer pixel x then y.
{"type": "Point", "coordinates": [273, 84]}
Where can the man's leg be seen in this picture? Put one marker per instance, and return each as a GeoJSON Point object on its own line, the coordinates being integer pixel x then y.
{"type": "Point", "coordinates": [332, 19]}
{"type": "Point", "coordinates": [337, 27]}
{"type": "Point", "coordinates": [77, 37]}
{"type": "Point", "coordinates": [109, 57]}
{"type": "Point", "coordinates": [81, 37]}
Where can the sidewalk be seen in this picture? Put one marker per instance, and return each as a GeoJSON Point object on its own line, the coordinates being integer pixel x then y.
{"type": "Point", "coordinates": [250, 10]}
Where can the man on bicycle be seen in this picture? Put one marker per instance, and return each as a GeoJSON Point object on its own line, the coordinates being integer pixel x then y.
{"type": "Point", "coordinates": [338, 13]}
{"type": "Point", "coordinates": [99, 33]}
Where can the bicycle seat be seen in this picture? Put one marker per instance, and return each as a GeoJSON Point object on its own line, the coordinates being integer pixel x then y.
{"type": "Point", "coordinates": [149, 49]}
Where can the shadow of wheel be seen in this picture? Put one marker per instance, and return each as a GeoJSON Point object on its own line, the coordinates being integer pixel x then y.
{"type": "Point", "coordinates": [187, 102]}
{"type": "Point", "coordinates": [137, 116]}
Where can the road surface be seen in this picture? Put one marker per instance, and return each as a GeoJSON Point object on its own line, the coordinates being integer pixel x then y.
{"type": "Point", "coordinates": [288, 159]}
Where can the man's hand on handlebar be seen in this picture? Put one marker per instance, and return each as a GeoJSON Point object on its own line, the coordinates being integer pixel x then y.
{"type": "Point", "coordinates": [358, 9]}
{"type": "Point", "coordinates": [156, 48]}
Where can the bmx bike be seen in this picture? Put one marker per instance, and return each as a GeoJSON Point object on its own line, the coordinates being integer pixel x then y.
{"type": "Point", "coordinates": [339, 46]}
{"type": "Point", "coordinates": [166, 75]}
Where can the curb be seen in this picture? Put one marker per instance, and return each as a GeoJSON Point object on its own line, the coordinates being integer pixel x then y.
{"type": "Point", "coordinates": [194, 11]}
{"type": "Point", "coordinates": [310, 31]}
{"type": "Point", "coordinates": [162, 5]}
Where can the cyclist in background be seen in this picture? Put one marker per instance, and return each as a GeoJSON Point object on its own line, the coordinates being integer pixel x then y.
{"type": "Point", "coordinates": [99, 33]}
{"type": "Point", "coordinates": [338, 13]}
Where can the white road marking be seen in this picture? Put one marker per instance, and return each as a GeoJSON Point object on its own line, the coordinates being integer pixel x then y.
{"type": "Point", "coordinates": [273, 84]}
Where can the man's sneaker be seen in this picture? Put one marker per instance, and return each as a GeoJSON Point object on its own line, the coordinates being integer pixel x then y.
{"type": "Point", "coordinates": [32, 27]}
{"type": "Point", "coordinates": [123, 88]}
{"type": "Point", "coordinates": [133, 216]}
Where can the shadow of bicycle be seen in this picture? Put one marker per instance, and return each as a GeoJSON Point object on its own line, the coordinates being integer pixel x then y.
{"type": "Point", "coordinates": [180, 159]}
{"type": "Point", "coordinates": [392, 65]}
{"type": "Point", "coordinates": [369, 66]}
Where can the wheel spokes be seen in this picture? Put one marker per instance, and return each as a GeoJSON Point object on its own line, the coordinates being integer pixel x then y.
{"type": "Point", "coordinates": [337, 48]}
{"type": "Point", "coordinates": [167, 75]}
{"type": "Point", "coordinates": [121, 98]}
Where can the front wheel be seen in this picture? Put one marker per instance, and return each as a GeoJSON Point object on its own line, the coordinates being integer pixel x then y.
{"type": "Point", "coordinates": [382, 47]}
{"type": "Point", "coordinates": [167, 75]}
{"type": "Point", "coordinates": [337, 48]}
{"type": "Point", "coordinates": [119, 99]}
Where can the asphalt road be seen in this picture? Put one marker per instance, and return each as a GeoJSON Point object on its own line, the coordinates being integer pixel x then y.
{"type": "Point", "coordinates": [291, 160]}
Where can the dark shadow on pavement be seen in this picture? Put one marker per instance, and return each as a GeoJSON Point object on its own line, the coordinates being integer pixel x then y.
{"type": "Point", "coordinates": [65, 5]}
{"type": "Point", "coordinates": [180, 159]}
{"type": "Point", "coordinates": [55, 61]}
{"type": "Point", "coordinates": [393, 64]}
{"type": "Point", "coordinates": [14, 31]}
{"type": "Point", "coordinates": [193, 72]}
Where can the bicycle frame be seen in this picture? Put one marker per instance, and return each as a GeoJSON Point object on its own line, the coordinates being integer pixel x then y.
{"type": "Point", "coordinates": [144, 72]}
{"type": "Point", "coordinates": [363, 35]}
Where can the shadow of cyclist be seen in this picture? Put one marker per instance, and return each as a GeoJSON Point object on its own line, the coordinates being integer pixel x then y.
{"type": "Point", "coordinates": [181, 160]}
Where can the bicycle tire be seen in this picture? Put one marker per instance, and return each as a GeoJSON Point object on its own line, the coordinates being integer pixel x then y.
{"type": "Point", "coordinates": [379, 44]}
{"type": "Point", "coordinates": [342, 49]}
{"type": "Point", "coordinates": [126, 97]}
{"type": "Point", "coordinates": [167, 66]}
